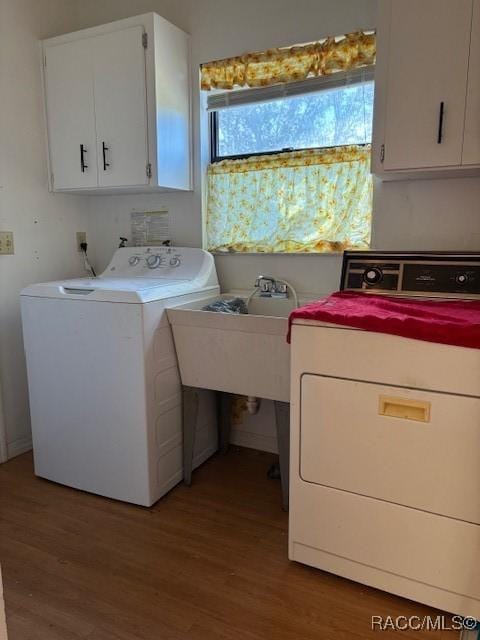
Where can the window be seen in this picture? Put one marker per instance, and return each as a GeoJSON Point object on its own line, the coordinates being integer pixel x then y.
{"type": "Point", "coordinates": [330, 117]}
{"type": "Point", "coordinates": [290, 155]}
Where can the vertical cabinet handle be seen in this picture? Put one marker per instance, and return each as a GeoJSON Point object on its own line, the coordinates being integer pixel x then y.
{"type": "Point", "coordinates": [83, 151]}
{"type": "Point", "coordinates": [104, 152]}
{"type": "Point", "coordinates": [440, 123]}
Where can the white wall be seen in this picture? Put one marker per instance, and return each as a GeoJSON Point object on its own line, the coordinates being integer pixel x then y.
{"type": "Point", "coordinates": [44, 225]}
{"type": "Point", "coordinates": [427, 215]}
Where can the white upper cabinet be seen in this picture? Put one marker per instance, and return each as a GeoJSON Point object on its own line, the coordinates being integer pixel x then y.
{"type": "Point", "coordinates": [108, 91]}
{"type": "Point", "coordinates": [471, 145]}
{"type": "Point", "coordinates": [426, 84]}
{"type": "Point", "coordinates": [427, 101]}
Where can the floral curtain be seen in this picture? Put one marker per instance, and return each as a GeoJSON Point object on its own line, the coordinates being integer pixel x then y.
{"type": "Point", "coordinates": [316, 200]}
{"type": "Point", "coordinates": [291, 64]}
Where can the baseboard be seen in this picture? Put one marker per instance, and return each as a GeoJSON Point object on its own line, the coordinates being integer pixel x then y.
{"type": "Point", "coordinates": [17, 447]}
{"type": "Point", "coordinates": [253, 440]}
{"type": "Point", "coordinates": [3, 621]}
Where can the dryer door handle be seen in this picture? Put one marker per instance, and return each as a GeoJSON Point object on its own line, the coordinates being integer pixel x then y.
{"type": "Point", "coordinates": [404, 408]}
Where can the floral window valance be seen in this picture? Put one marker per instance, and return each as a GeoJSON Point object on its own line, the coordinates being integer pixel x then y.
{"type": "Point", "coordinates": [316, 200]}
{"type": "Point", "coordinates": [291, 64]}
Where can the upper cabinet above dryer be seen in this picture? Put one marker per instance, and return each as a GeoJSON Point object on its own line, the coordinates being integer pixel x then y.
{"type": "Point", "coordinates": [427, 91]}
{"type": "Point", "coordinates": [471, 144]}
{"type": "Point", "coordinates": [118, 107]}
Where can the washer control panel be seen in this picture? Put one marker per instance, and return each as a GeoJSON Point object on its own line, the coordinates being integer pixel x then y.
{"type": "Point", "coordinates": [428, 274]}
{"type": "Point", "coordinates": [173, 263]}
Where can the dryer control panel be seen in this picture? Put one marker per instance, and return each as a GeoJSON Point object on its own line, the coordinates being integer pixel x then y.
{"type": "Point", "coordinates": [422, 274]}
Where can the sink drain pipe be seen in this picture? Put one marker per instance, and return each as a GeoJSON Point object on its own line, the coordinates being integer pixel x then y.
{"type": "Point", "coordinates": [253, 405]}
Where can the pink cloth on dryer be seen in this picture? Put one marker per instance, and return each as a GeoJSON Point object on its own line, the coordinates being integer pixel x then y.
{"type": "Point", "coordinates": [454, 322]}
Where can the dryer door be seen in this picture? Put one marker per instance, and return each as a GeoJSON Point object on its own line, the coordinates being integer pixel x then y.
{"type": "Point", "coordinates": [402, 445]}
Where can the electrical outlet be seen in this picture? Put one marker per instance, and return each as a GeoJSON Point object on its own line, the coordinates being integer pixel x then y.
{"type": "Point", "coordinates": [6, 243]}
{"type": "Point", "coordinates": [81, 238]}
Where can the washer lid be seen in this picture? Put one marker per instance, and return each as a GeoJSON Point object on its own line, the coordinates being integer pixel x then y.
{"type": "Point", "coordinates": [114, 284]}
{"type": "Point", "coordinates": [111, 290]}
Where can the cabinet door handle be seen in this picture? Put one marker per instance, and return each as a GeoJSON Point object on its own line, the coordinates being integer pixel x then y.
{"type": "Point", "coordinates": [83, 151]}
{"type": "Point", "coordinates": [104, 152]}
{"type": "Point", "coordinates": [440, 123]}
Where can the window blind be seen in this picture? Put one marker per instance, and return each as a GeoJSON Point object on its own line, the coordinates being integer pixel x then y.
{"type": "Point", "coordinates": [217, 100]}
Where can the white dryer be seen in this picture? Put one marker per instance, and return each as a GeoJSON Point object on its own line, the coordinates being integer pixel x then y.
{"type": "Point", "coordinates": [385, 439]}
{"type": "Point", "coordinates": [105, 392]}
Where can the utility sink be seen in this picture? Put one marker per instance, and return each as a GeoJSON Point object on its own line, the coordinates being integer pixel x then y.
{"type": "Point", "coordinates": [236, 353]}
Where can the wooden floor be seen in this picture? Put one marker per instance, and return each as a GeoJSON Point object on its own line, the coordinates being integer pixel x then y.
{"type": "Point", "coordinates": [207, 562]}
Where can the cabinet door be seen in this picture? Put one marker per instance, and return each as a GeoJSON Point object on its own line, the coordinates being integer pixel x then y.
{"type": "Point", "coordinates": [121, 108]}
{"type": "Point", "coordinates": [71, 115]}
{"type": "Point", "coordinates": [427, 81]}
{"type": "Point", "coordinates": [471, 143]}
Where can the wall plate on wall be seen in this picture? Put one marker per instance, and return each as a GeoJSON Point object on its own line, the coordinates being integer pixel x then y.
{"type": "Point", "coordinates": [81, 237]}
{"type": "Point", "coordinates": [6, 243]}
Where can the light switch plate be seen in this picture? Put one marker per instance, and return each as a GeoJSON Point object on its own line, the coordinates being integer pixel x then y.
{"type": "Point", "coordinates": [6, 243]}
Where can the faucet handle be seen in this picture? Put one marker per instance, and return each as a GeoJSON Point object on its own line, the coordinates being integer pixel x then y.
{"type": "Point", "coordinates": [261, 278]}
{"type": "Point", "coordinates": [280, 288]}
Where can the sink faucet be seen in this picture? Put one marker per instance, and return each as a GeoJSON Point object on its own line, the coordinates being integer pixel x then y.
{"type": "Point", "coordinates": [265, 285]}
{"type": "Point", "coordinates": [271, 288]}
{"type": "Point", "coordinates": [268, 287]}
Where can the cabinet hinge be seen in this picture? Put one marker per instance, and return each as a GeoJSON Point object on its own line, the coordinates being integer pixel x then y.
{"type": "Point", "coordinates": [45, 62]}
{"type": "Point", "coordinates": [149, 170]}
{"type": "Point", "coordinates": [52, 178]}
{"type": "Point", "coordinates": [382, 153]}
{"type": "Point", "coordinates": [145, 40]}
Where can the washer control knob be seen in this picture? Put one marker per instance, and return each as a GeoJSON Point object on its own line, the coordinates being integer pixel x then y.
{"type": "Point", "coordinates": [153, 261]}
{"type": "Point", "coordinates": [372, 275]}
{"type": "Point", "coordinates": [134, 260]}
{"type": "Point", "coordinates": [461, 278]}
{"type": "Point", "coordinates": [175, 262]}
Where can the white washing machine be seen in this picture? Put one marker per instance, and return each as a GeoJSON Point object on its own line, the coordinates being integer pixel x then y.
{"type": "Point", "coordinates": [385, 442]}
{"type": "Point", "coordinates": [105, 392]}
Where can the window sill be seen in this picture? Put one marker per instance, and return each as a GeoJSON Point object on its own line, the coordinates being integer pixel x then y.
{"type": "Point", "coordinates": [303, 254]}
